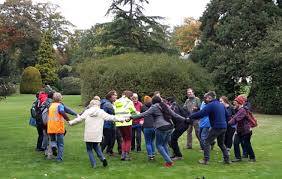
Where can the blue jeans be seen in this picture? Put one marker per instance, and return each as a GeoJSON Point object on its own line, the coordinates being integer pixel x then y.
{"type": "Point", "coordinates": [57, 140]}
{"type": "Point", "coordinates": [95, 146]}
{"type": "Point", "coordinates": [162, 139]}
{"type": "Point", "coordinates": [203, 136]}
{"type": "Point", "coordinates": [149, 134]}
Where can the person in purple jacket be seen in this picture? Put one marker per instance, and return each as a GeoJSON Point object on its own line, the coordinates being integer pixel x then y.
{"type": "Point", "coordinates": [243, 130]}
{"type": "Point", "coordinates": [218, 117]}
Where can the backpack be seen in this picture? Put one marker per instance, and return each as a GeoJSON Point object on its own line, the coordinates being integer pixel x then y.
{"type": "Point", "coordinates": [42, 111]}
{"type": "Point", "coordinates": [33, 112]}
{"type": "Point", "coordinates": [251, 119]}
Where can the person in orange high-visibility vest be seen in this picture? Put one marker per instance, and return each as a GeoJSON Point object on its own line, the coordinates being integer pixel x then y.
{"type": "Point", "coordinates": [56, 125]}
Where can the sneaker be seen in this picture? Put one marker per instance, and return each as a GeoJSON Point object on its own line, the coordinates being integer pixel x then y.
{"type": "Point", "coordinates": [176, 158]}
{"type": "Point", "coordinates": [151, 158]}
{"type": "Point", "coordinates": [168, 164]}
{"type": "Point", "coordinates": [252, 160]}
{"type": "Point", "coordinates": [54, 150]}
{"type": "Point", "coordinates": [203, 162]}
{"type": "Point", "coordinates": [123, 156]}
{"type": "Point", "coordinates": [105, 163]}
{"type": "Point", "coordinates": [227, 162]}
{"type": "Point", "coordinates": [245, 156]}
{"type": "Point", "coordinates": [237, 160]}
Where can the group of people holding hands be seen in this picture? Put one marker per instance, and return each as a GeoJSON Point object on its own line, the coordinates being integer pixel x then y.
{"type": "Point", "coordinates": [163, 121]}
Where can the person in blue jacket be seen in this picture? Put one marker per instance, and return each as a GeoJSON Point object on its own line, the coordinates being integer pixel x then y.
{"type": "Point", "coordinates": [218, 117]}
{"type": "Point", "coordinates": [109, 131]}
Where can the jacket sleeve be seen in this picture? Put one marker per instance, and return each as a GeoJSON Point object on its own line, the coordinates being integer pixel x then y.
{"type": "Point", "coordinates": [240, 115]}
{"type": "Point", "coordinates": [175, 115]}
{"type": "Point", "coordinates": [202, 113]}
{"type": "Point", "coordinates": [79, 118]}
{"type": "Point", "coordinates": [149, 112]}
{"type": "Point", "coordinates": [132, 108]}
{"type": "Point", "coordinates": [70, 111]}
{"type": "Point", "coordinates": [108, 108]}
{"type": "Point", "coordinates": [108, 117]}
{"type": "Point", "coordinates": [61, 110]}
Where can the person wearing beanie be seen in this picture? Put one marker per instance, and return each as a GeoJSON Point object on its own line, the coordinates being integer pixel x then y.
{"type": "Point", "coordinates": [148, 129]}
{"type": "Point", "coordinates": [94, 120]}
{"type": "Point", "coordinates": [243, 130]}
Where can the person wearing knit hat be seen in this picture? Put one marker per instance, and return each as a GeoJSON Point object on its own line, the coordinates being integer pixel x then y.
{"type": "Point", "coordinates": [148, 129]}
{"type": "Point", "coordinates": [243, 130]}
{"type": "Point", "coordinates": [240, 99]}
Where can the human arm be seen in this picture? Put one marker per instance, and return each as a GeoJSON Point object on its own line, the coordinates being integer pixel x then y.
{"type": "Point", "coordinates": [150, 111]}
{"type": "Point", "coordinates": [70, 111]}
{"type": "Point", "coordinates": [202, 113]}
{"type": "Point", "coordinates": [61, 110]}
{"type": "Point", "coordinates": [79, 118]}
{"type": "Point", "coordinates": [240, 115]}
{"type": "Point", "coordinates": [108, 117]}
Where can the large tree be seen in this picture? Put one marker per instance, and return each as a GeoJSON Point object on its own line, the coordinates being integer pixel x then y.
{"type": "Point", "coordinates": [47, 64]}
{"type": "Point", "coordinates": [131, 29]}
{"type": "Point", "coordinates": [184, 36]}
{"type": "Point", "coordinates": [230, 29]}
{"type": "Point", "coordinates": [22, 24]}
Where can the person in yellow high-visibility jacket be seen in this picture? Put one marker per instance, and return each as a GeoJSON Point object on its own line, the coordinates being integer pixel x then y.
{"type": "Point", "coordinates": [124, 108]}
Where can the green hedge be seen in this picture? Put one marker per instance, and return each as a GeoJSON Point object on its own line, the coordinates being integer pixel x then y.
{"type": "Point", "coordinates": [70, 85]}
{"type": "Point", "coordinates": [31, 81]}
{"type": "Point", "coordinates": [144, 74]}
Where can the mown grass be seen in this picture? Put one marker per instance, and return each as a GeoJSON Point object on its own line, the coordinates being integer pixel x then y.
{"type": "Point", "coordinates": [18, 159]}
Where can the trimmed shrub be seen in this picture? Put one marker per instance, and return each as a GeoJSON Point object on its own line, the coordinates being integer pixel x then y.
{"type": "Point", "coordinates": [31, 81]}
{"type": "Point", "coordinates": [144, 74]}
{"type": "Point", "coordinates": [70, 85]}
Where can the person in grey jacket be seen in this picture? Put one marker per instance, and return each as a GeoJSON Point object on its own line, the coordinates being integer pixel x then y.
{"type": "Point", "coordinates": [162, 116]}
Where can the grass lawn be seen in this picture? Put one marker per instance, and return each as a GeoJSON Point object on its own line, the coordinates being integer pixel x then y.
{"type": "Point", "coordinates": [18, 159]}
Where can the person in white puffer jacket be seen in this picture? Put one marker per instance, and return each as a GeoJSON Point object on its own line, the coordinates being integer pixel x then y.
{"type": "Point", "coordinates": [94, 120]}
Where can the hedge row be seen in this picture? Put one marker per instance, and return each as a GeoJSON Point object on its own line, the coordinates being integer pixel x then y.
{"type": "Point", "coordinates": [144, 74]}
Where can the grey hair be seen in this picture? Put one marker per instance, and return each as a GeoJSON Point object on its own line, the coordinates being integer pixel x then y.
{"type": "Point", "coordinates": [57, 97]}
{"type": "Point", "coordinates": [94, 102]}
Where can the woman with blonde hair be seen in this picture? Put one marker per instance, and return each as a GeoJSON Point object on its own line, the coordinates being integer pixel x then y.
{"type": "Point", "coordinates": [94, 121]}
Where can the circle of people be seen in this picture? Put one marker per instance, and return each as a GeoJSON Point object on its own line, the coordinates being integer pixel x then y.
{"type": "Point", "coordinates": [163, 121]}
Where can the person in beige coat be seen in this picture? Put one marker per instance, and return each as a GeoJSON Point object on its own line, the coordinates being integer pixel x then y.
{"type": "Point", "coordinates": [94, 120]}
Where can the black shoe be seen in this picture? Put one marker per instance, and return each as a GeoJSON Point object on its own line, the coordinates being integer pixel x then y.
{"type": "Point", "coordinates": [40, 149]}
{"type": "Point", "coordinates": [54, 150]}
{"type": "Point", "coordinates": [105, 163]}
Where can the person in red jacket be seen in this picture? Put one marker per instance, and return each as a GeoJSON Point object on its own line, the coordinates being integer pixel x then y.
{"type": "Point", "coordinates": [137, 125]}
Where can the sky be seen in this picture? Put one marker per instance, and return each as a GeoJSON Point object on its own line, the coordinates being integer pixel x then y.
{"type": "Point", "coordinates": [85, 13]}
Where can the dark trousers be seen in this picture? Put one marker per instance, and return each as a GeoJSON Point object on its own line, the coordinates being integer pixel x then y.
{"type": "Point", "coordinates": [229, 137]}
{"type": "Point", "coordinates": [119, 139]}
{"type": "Point", "coordinates": [136, 136]}
{"type": "Point", "coordinates": [246, 141]}
{"type": "Point", "coordinates": [39, 128]}
{"type": "Point", "coordinates": [218, 134]}
{"type": "Point", "coordinates": [109, 136]}
{"type": "Point", "coordinates": [174, 140]}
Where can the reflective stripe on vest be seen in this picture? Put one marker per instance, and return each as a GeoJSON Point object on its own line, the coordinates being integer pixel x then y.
{"type": "Point", "coordinates": [55, 120]}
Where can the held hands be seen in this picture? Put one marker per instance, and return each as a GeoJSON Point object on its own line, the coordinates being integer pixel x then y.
{"type": "Point", "coordinates": [188, 120]}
